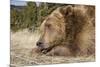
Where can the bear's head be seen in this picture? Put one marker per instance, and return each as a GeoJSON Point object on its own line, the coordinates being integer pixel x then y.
{"type": "Point", "coordinates": [60, 27]}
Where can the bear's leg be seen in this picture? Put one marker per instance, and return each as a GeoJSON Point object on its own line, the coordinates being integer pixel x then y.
{"type": "Point", "coordinates": [59, 51]}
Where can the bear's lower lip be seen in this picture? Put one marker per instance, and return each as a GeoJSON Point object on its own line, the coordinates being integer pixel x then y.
{"type": "Point", "coordinates": [44, 51]}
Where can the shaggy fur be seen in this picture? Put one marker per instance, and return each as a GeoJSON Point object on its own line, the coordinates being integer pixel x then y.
{"type": "Point", "coordinates": [68, 31]}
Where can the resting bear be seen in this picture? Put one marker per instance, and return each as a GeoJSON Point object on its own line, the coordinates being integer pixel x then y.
{"type": "Point", "coordinates": [68, 31]}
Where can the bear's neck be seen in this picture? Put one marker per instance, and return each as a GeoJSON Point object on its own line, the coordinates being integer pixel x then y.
{"type": "Point", "coordinates": [74, 25]}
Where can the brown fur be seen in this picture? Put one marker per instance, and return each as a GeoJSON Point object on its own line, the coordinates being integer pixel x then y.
{"type": "Point", "coordinates": [69, 31]}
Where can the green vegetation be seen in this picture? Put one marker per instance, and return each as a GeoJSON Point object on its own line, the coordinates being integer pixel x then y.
{"type": "Point", "coordinates": [30, 16]}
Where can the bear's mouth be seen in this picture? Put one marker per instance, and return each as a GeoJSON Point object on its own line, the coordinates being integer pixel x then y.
{"type": "Point", "coordinates": [45, 50]}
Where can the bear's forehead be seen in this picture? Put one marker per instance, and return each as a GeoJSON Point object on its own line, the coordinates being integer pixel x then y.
{"type": "Point", "coordinates": [49, 20]}
{"type": "Point", "coordinates": [54, 17]}
{"type": "Point", "coordinates": [57, 14]}
{"type": "Point", "coordinates": [53, 20]}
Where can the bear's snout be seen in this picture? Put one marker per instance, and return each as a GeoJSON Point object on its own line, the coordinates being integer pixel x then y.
{"type": "Point", "coordinates": [43, 47]}
{"type": "Point", "coordinates": [39, 44]}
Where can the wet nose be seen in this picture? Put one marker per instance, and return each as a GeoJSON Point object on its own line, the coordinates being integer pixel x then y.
{"type": "Point", "coordinates": [39, 44]}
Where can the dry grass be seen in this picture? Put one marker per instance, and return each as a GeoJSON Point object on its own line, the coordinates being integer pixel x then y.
{"type": "Point", "coordinates": [22, 43]}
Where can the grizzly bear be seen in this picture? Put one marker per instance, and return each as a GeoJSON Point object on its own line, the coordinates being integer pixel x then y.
{"type": "Point", "coordinates": [68, 31]}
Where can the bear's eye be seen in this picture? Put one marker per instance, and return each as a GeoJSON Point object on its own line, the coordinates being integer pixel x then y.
{"type": "Point", "coordinates": [48, 25]}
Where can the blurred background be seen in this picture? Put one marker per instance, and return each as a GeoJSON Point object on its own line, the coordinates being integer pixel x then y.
{"type": "Point", "coordinates": [29, 14]}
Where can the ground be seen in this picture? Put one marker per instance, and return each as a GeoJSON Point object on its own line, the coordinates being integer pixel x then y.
{"type": "Point", "coordinates": [22, 43]}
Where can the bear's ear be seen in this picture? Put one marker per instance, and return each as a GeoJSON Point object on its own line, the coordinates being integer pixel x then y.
{"type": "Point", "coordinates": [66, 10]}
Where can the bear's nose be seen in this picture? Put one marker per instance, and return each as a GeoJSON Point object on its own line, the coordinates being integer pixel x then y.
{"type": "Point", "coordinates": [39, 44]}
